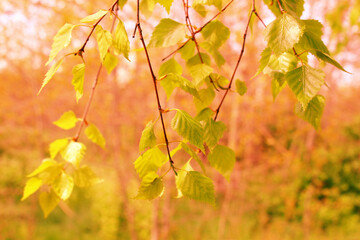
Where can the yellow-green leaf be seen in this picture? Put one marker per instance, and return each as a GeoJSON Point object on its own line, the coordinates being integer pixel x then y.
{"type": "Point", "coordinates": [199, 72]}
{"type": "Point", "coordinates": [240, 87]}
{"type": "Point", "coordinates": [48, 201]}
{"type": "Point", "coordinates": [63, 186]}
{"type": "Point", "coordinates": [222, 159]}
{"type": "Point", "coordinates": [74, 153]}
{"type": "Point", "coordinates": [198, 187]}
{"type": "Point", "coordinates": [121, 40]}
{"type": "Point", "coordinates": [93, 133]}
{"type": "Point", "coordinates": [213, 132]}
{"type": "Point", "coordinates": [110, 62]}
{"type": "Point", "coordinates": [85, 177]}
{"type": "Point", "coordinates": [32, 185]}
{"type": "Point", "coordinates": [193, 154]}
{"type": "Point", "coordinates": [57, 146]}
{"type": "Point", "coordinates": [313, 112]}
{"type": "Point", "coordinates": [45, 164]}
{"type": "Point", "coordinates": [94, 17]}
{"type": "Point", "coordinates": [150, 161]}
{"type": "Point", "coordinates": [104, 40]}
{"type": "Point", "coordinates": [50, 73]}
{"type": "Point", "coordinates": [179, 179]}
{"type": "Point", "coordinates": [78, 72]}
{"type": "Point", "coordinates": [148, 138]}
{"type": "Point", "coordinates": [151, 187]}
{"type": "Point", "coordinates": [167, 33]}
{"type": "Point", "coordinates": [67, 120]}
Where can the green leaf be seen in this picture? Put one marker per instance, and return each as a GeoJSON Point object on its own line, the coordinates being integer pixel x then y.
{"type": "Point", "coordinates": [170, 66]}
{"type": "Point", "coordinates": [305, 82]}
{"type": "Point", "coordinates": [264, 60]}
{"type": "Point", "coordinates": [61, 40]}
{"type": "Point", "coordinates": [240, 87]}
{"type": "Point", "coordinates": [78, 72]}
{"type": "Point", "coordinates": [204, 114]}
{"type": "Point", "coordinates": [172, 81]}
{"type": "Point", "coordinates": [45, 165]}
{"type": "Point", "coordinates": [179, 179]}
{"type": "Point", "coordinates": [206, 97]}
{"type": "Point", "coordinates": [121, 40]}
{"type": "Point", "coordinates": [193, 155]}
{"type": "Point", "coordinates": [327, 58]}
{"type": "Point", "coordinates": [104, 40]}
{"type": "Point", "coordinates": [150, 161]}
{"type": "Point", "coordinates": [283, 33]}
{"type": "Point", "coordinates": [32, 185]}
{"type": "Point", "coordinates": [151, 187]}
{"type": "Point", "coordinates": [294, 7]}
{"type": "Point", "coordinates": [167, 33]}
{"type": "Point", "coordinates": [213, 132]}
{"type": "Point", "coordinates": [188, 128]}
{"type": "Point", "coordinates": [311, 39]}
{"type": "Point", "coordinates": [166, 4]}
{"type": "Point", "coordinates": [110, 62]}
{"type": "Point", "coordinates": [313, 112]}
{"type": "Point", "coordinates": [148, 138]}
{"type": "Point", "coordinates": [48, 201]}
{"type": "Point", "coordinates": [67, 120]}
{"type": "Point", "coordinates": [277, 84]}
{"type": "Point", "coordinates": [215, 33]}
{"type": "Point", "coordinates": [50, 73]}
{"type": "Point", "coordinates": [63, 186]}
{"type": "Point", "coordinates": [222, 159]}
{"type": "Point", "coordinates": [187, 51]}
{"type": "Point", "coordinates": [199, 72]}
{"type": "Point", "coordinates": [198, 187]}
{"type": "Point", "coordinates": [94, 17]}
{"type": "Point", "coordinates": [94, 134]}
{"type": "Point", "coordinates": [57, 146]}
{"type": "Point", "coordinates": [74, 153]}
{"type": "Point", "coordinates": [216, 3]}
{"type": "Point", "coordinates": [85, 177]}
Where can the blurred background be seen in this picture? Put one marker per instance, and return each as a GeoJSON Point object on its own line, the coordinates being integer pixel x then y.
{"type": "Point", "coordinates": [289, 181]}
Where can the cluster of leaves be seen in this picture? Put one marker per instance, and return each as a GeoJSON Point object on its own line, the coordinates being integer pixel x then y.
{"type": "Point", "coordinates": [287, 36]}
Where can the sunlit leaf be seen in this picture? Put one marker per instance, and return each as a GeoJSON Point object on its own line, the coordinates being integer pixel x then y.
{"type": "Point", "coordinates": [240, 87]}
{"type": "Point", "coordinates": [167, 33]}
{"type": "Point", "coordinates": [151, 187]}
{"type": "Point", "coordinates": [199, 72]}
{"type": "Point", "coordinates": [180, 177]}
{"type": "Point", "coordinates": [216, 3]}
{"type": "Point", "coordinates": [213, 132]}
{"type": "Point", "coordinates": [94, 17]}
{"type": "Point", "coordinates": [195, 60]}
{"type": "Point", "coordinates": [74, 153]}
{"type": "Point", "coordinates": [198, 187]}
{"type": "Point", "coordinates": [264, 60]}
{"type": "Point", "coordinates": [311, 39]}
{"type": "Point", "coordinates": [122, 3]}
{"type": "Point", "coordinates": [147, 7]}
{"type": "Point", "coordinates": [67, 120]}
{"type": "Point", "coordinates": [313, 112]}
{"type": "Point", "coordinates": [305, 82]}
{"type": "Point", "coordinates": [104, 40]}
{"type": "Point", "coordinates": [187, 51]}
{"type": "Point", "coordinates": [94, 134]}
{"type": "Point", "coordinates": [214, 52]}
{"type": "Point", "coordinates": [170, 66]}
{"type": "Point", "coordinates": [294, 7]}
{"type": "Point", "coordinates": [50, 73]}
{"type": "Point", "coordinates": [327, 58]}
{"type": "Point", "coordinates": [85, 177]}
{"type": "Point", "coordinates": [48, 201]}
{"type": "Point", "coordinates": [188, 128]}
{"type": "Point", "coordinates": [200, 9]}
{"type": "Point", "coordinates": [78, 72]}
{"type": "Point", "coordinates": [45, 164]}
{"type": "Point", "coordinates": [222, 158]}
{"type": "Point", "coordinates": [204, 114]}
{"type": "Point", "coordinates": [63, 186]}
{"type": "Point", "coordinates": [207, 95]}
{"type": "Point", "coordinates": [277, 84]}
{"type": "Point", "coordinates": [57, 146]}
{"type": "Point", "coordinates": [121, 40]}
{"type": "Point", "coordinates": [215, 33]}
{"type": "Point", "coordinates": [166, 4]}
{"type": "Point", "coordinates": [148, 138]}
{"type": "Point", "coordinates": [193, 154]}
{"type": "Point", "coordinates": [61, 40]}
{"type": "Point", "coordinates": [173, 80]}
{"type": "Point", "coordinates": [32, 185]}
{"type": "Point", "coordinates": [110, 62]}
{"type": "Point", "coordinates": [150, 161]}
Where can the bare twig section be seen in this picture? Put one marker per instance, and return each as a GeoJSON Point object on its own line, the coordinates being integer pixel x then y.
{"type": "Point", "coordinates": [138, 27]}
{"type": "Point", "coordinates": [281, 9]}
{"type": "Point", "coordinates": [253, 12]}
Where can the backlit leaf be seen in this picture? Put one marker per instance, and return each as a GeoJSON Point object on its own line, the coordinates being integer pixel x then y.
{"type": "Point", "coordinates": [240, 87]}
{"type": "Point", "coordinates": [264, 60]}
{"type": "Point", "coordinates": [206, 97]}
{"type": "Point", "coordinates": [74, 153]}
{"type": "Point", "coordinates": [151, 187]}
{"type": "Point", "coordinates": [277, 84]}
{"type": "Point", "coordinates": [50, 73]}
{"type": "Point", "coordinates": [63, 186]}
{"type": "Point", "coordinates": [222, 158]}
{"type": "Point", "coordinates": [188, 128]}
{"type": "Point", "coordinates": [94, 134]}
{"type": "Point", "coordinates": [85, 177]}
{"type": "Point", "coordinates": [179, 179]}
{"type": "Point", "coordinates": [78, 72]}
{"type": "Point", "coordinates": [150, 161]}
{"type": "Point", "coordinates": [67, 120]}
{"type": "Point", "coordinates": [213, 132]}
{"type": "Point", "coordinates": [110, 62]}
{"type": "Point", "coordinates": [294, 7]}
{"type": "Point", "coordinates": [48, 201]}
{"type": "Point", "coordinates": [313, 112]}
{"type": "Point", "coordinates": [327, 58]}
{"type": "Point", "coordinates": [187, 51]}
{"type": "Point", "coordinates": [104, 40]}
{"type": "Point", "coordinates": [148, 138]}
{"type": "Point", "coordinates": [121, 40]}
{"type": "Point", "coordinates": [57, 146]}
{"type": "Point", "coordinates": [170, 66]}
{"type": "Point", "coordinates": [61, 40]}
{"type": "Point", "coordinates": [204, 114]}
{"type": "Point", "coordinates": [166, 4]}
{"type": "Point", "coordinates": [94, 17]}
{"type": "Point", "coordinates": [198, 187]}
{"type": "Point", "coordinates": [32, 185]}
{"type": "Point", "coordinates": [172, 81]}
{"type": "Point", "coordinates": [199, 72]}
{"type": "Point", "coordinates": [45, 164]}
{"type": "Point", "coordinates": [167, 33]}
{"type": "Point", "coordinates": [193, 154]}
{"type": "Point", "coordinates": [122, 3]}
{"type": "Point", "coordinates": [215, 33]}
{"type": "Point", "coordinates": [216, 3]}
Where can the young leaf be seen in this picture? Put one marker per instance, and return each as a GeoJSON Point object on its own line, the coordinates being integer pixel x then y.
{"type": "Point", "coordinates": [93, 133]}
{"type": "Point", "coordinates": [85, 177]}
{"type": "Point", "coordinates": [200, 9]}
{"type": "Point", "coordinates": [78, 72]}
{"type": "Point", "coordinates": [45, 164]}
{"type": "Point", "coordinates": [121, 40]}
{"type": "Point", "coordinates": [61, 41]}
{"type": "Point", "coordinates": [67, 120]}
{"type": "Point", "coordinates": [147, 7]}
{"type": "Point", "coordinates": [283, 33]}
{"type": "Point", "coordinates": [151, 187]}
{"type": "Point", "coordinates": [213, 132]}
{"type": "Point", "coordinates": [277, 84]}
{"type": "Point", "coordinates": [327, 58]}
{"type": "Point", "coordinates": [148, 138]}
{"type": "Point", "coordinates": [172, 81]}
{"type": "Point", "coordinates": [63, 186]}
{"type": "Point", "coordinates": [50, 73]}
{"type": "Point", "coordinates": [199, 72]}
{"type": "Point", "coordinates": [313, 112]}
{"type": "Point", "coordinates": [194, 60]}
{"type": "Point", "coordinates": [104, 40]}
{"type": "Point", "coordinates": [48, 201]}
{"type": "Point", "coordinates": [219, 59]}
{"type": "Point", "coordinates": [179, 179]}
{"type": "Point", "coordinates": [204, 114]}
{"type": "Point", "coordinates": [94, 17]}
{"type": "Point", "coordinates": [294, 7]}
{"type": "Point", "coordinates": [188, 128]}
{"type": "Point", "coordinates": [222, 159]}
{"type": "Point", "coordinates": [57, 146]}
{"type": "Point", "coordinates": [150, 161]}
{"type": "Point", "coordinates": [264, 60]}
{"type": "Point", "coordinates": [167, 33]}
{"type": "Point", "coordinates": [311, 39]}
{"type": "Point", "coordinates": [170, 66]}
{"type": "Point", "coordinates": [216, 3]}
{"type": "Point", "coordinates": [207, 95]}
{"type": "Point", "coordinates": [193, 154]}
{"type": "Point", "coordinates": [240, 87]}
{"type": "Point", "coordinates": [198, 187]}
{"type": "Point", "coordinates": [305, 82]}
{"type": "Point", "coordinates": [122, 3]}
{"type": "Point", "coordinates": [166, 4]}
{"type": "Point", "coordinates": [32, 185]}
{"type": "Point", "coordinates": [215, 33]}
{"type": "Point", "coordinates": [187, 51]}
{"type": "Point", "coordinates": [110, 62]}
{"type": "Point", "coordinates": [74, 153]}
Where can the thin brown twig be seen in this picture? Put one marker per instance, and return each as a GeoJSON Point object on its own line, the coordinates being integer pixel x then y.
{"type": "Point", "coordinates": [138, 27]}
{"type": "Point", "coordinates": [281, 9]}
